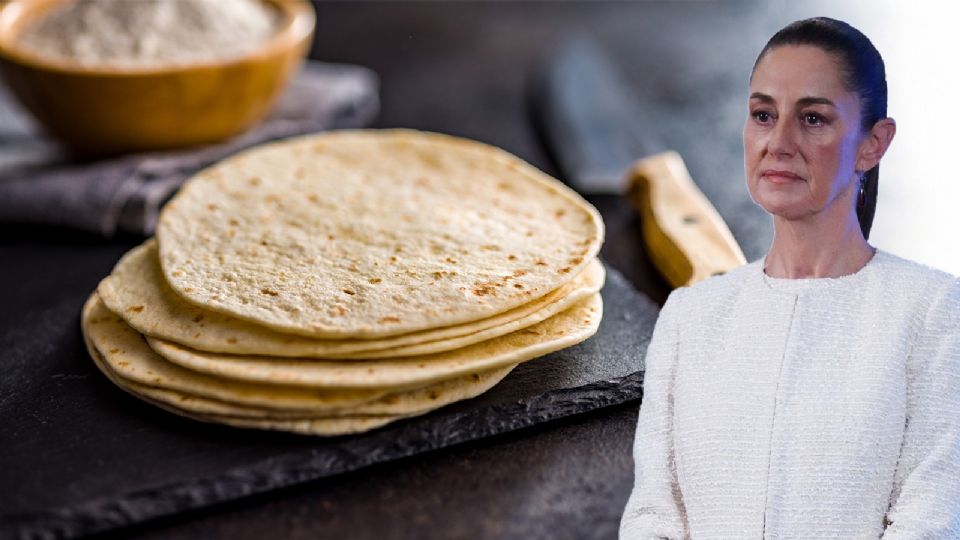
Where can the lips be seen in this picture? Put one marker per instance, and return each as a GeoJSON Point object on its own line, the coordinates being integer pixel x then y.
{"type": "Point", "coordinates": [780, 177]}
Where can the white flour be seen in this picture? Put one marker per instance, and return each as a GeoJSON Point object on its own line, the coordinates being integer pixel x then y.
{"type": "Point", "coordinates": [144, 33]}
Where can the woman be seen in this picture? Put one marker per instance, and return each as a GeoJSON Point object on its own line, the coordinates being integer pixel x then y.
{"type": "Point", "coordinates": [814, 393]}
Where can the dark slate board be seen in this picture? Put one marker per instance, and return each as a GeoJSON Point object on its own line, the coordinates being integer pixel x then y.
{"type": "Point", "coordinates": [112, 461]}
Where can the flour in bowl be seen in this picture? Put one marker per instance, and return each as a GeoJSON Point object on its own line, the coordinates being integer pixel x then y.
{"type": "Point", "coordinates": [148, 33]}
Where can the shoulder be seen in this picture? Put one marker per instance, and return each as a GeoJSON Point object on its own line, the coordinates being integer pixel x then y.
{"type": "Point", "coordinates": [936, 293]}
{"type": "Point", "coordinates": [895, 270]}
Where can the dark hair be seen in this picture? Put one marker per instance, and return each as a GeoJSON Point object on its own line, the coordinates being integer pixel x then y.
{"type": "Point", "coordinates": [862, 72]}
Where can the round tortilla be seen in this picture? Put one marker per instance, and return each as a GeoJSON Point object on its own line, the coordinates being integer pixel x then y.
{"type": "Point", "coordinates": [565, 329]}
{"type": "Point", "coordinates": [127, 355]}
{"type": "Point", "coordinates": [397, 405]}
{"type": "Point", "coordinates": [365, 234]}
{"type": "Point", "coordinates": [137, 291]}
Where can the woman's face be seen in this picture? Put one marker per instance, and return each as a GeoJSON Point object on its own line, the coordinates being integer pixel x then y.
{"type": "Point", "coordinates": [802, 134]}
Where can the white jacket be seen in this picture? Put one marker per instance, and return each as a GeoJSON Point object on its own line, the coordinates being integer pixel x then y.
{"type": "Point", "coordinates": [802, 408]}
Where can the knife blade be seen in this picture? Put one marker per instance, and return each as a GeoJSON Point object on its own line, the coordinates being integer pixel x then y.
{"type": "Point", "coordinates": [594, 126]}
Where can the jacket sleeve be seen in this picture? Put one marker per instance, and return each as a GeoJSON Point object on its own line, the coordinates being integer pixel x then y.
{"type": "Point", "coordinates": [925, 502]}
{"type": "Point", "coordinates": [655, 507]}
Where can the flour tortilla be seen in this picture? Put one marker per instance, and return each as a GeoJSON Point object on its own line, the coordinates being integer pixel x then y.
{"type": "Point", "coordinates": [127, 355]}
{"type": "Point", "coordinates": [208, 410]}
{"type": "Point", "coordinates": [364, 234]}
{"type": "Point", "coordinates": [327, 427]}
{"type": "Point", "coordinates": [560, 331]}
{"type": "Point", "coordinates": [137, 290]}
{"type": "Point", "coordinates": [397, 405]}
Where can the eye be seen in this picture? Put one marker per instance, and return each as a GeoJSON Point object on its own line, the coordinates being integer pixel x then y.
{"type": "Point", "coordinates": [813, 119]}
{"type": "Point", "coordinates": [762, 117]}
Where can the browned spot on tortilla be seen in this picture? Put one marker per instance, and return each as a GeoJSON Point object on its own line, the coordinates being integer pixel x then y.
{"type": "Point", "coordinates": [518, 285]}
{"type": "Point", "coordinates": [114, 350]}
{"type": "Point", "coordinates": [437, 275]}
{"type": "Point", "coordinates": [483, 289]}
{"type": "Point", "coordinates": [233, 222]}
{"type": "Point", "coordinates": [511, 257]}
{"type": "Point", "coordinates": [560, 213]}
{"type": "Point", "coordinates": [188, 290]}
{"type": "Point", "coordinates": [370, 370]}
{"type": "Point", "coordinates": [490, 247]}
{"type": "Point", "coordinates": [254, 181]}
{"type": "Point", "coordinates": [198, 318]}
{"type": "Point", "coordinates": [504, 186]}
{"type": "Point", "coordinates": [529, 233]}
{"type": "Point", "coordinates": [520, 272]}
{"type": "Point", "coordinates": [398, 249]}
{"type": "Point", "coordinates": [123, 364]}
{"type": "Point", "coordinates": [349, 291]}
{"type": "Point", "coordinates": [374, 280]}
{"type": "Point", "coordinates": [476, 377]}
{"type": "Point", "coordinates": [195, 336]}
{"type": "Point", "coordinates": [337, 310]}
{"type": "Point", "coordinates": [540, 262]}
{"type": "Point", "coordinates": [433, 394]}
{"type": "Point", "coordinates": [451, 260]}
{"type": "Point", "coordinates": [231, 340]}
{"type": "Point", "coordinates": [269, 292]}
{"type": "Point", "coordinates": [212, 207]}
{"type": "Point", "coordinates": [389, 319]}
{"type": "Point", "coordinates": [576, 260]}
{"type": "Point", "coordinates": [564, 270]}
{"type": "Point", "coordinates": [319, 147]}
{"type": "Point", "coordinates": [177, 273]}
{"type": "Point", "coordinates": [331, 237]}
{"type": "Point", "coordinates": [393, 258]}
{"type": "Point", "coordinates": [135, 309]}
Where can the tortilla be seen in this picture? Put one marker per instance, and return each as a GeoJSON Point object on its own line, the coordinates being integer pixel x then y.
{"type": "Point", "coordinates": [367, 234]}
{"type": "Point", "coordinates": [137, 291]}
{"type": "Point", "coordinates": [397, 405]}
{"type": "Point", "coordinates": [124, 351]}
{"type": "Point", "coordinates": [565, 329]}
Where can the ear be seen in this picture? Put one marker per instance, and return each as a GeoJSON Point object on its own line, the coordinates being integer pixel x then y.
{"type": "Point", "coordinates": [875, 144]}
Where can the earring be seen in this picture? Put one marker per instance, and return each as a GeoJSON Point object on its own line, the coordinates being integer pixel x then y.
{"type": "Point", "coordinates": [862, 196]}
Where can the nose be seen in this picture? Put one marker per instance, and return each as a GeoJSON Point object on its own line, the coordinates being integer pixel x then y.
{"type": "Point", "coordinates": [782, 141]}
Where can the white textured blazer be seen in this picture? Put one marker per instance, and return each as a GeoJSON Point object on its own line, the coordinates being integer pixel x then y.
{"type": "Point", "coordinates": [802, 408]}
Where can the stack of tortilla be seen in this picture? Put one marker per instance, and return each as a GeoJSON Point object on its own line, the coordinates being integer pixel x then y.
{"type": "Point", "coordinates": [333, 283]}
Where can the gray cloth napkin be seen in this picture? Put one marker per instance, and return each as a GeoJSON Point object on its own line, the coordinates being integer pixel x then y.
{"type": "Point", "coordinates": [40, 185]}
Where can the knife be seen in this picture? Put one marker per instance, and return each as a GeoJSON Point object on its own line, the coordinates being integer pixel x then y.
{"type": "Point", "coordinates": [595, 128]}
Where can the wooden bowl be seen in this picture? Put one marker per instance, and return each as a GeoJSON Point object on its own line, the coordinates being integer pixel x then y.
{"type": "Point", "coordinates": [110, 110]}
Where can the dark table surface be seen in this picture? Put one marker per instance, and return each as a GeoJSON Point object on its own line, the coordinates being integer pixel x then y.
{"type": "Point", "coordinates": [464, 69]}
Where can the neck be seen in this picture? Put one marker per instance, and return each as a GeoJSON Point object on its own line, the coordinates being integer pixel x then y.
{"type": "Point", "coordinates": [818, 246]}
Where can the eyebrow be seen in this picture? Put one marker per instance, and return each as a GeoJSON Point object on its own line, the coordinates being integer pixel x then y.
{"type": "Point", "coordinates": [802, 101]}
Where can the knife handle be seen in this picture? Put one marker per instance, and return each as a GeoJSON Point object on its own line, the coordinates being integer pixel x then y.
{"type": "Point", "coordinates": [686, 238]}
